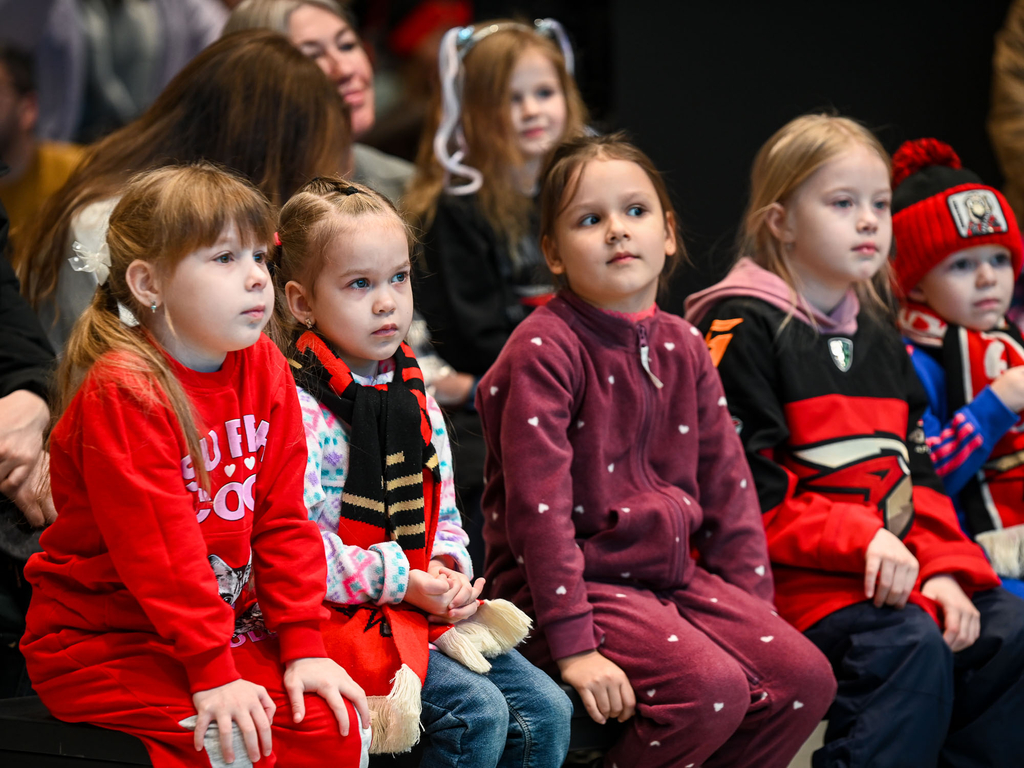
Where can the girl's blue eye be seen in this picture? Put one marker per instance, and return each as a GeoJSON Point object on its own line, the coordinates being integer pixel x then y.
{"type": "Point", "coordinates": [400, 277]}
{"type": "Point", "coordinates": [882, 205]}
{"type": "Point", "coordinates": [589, 220]}
{"type": "Point", "coordinates": [842, 203]}
{"type": "Point", "coordinates": [362, 282]}
{"type": "Point", "coordinates": [545, 93]}
{"type": "Point", "coordinates": [635, 210]}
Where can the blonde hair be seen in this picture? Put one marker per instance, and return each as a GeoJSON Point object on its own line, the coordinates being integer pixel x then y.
{"type": "Point", "coordinates": [321, 211]}
{"type": "Point", "coordinates": [275, 14]}
{"type": "Point", "coordinates": [487, 125]}
{"type": "Point", "coordinates": [163, 216]}
{"type": "Point", "coordinates": [781, 166]}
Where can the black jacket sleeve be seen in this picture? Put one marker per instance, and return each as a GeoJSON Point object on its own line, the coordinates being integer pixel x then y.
{"type": "Point", "coordinates": [26, 357]}
{"type": "Point", "coordinates": [461, 289]}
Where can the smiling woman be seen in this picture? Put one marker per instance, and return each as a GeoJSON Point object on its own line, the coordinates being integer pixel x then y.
{"type": "Point", "coordinates": [324, 32]}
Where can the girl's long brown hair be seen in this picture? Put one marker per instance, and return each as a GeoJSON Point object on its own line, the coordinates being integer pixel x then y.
{"type": "Point", "coordinates": [486, 122]}
{"type": "Point", "coordinates": [564, 171]}
{"type": "Point", "coordinates": [163, 216]}
{"type": "Point", "coordinates": [250, 102]}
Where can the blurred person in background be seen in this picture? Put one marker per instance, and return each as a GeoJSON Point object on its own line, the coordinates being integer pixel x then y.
{"type": "Point", "coordinates": [101, 63]}
{"type": "Point", "coordinates": [37, 168]}
{"type": "Point", "coordinates": [250, 102]}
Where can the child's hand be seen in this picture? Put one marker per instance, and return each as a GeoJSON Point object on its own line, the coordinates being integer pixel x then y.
{"type": "Point", "coordinates": [893, 566]}
{"type": "Point", "coordinates": [601, 684]}
{"type": "Point", "coordinates": [1009, 387]}
{"type": "Point", "coordinates": [431, 594]}
{"type": "Point", "coordinates": [325, 677]}
{"type": "Point", "coordinates": [961, 621]}
{"type": "Point", "coordinates": [241, 702]}
{"type": "Point", "coordinates": [464, 603]}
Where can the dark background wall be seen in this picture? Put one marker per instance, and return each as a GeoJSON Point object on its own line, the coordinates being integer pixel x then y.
{"type": "Point", "coordinates": [701, 85]}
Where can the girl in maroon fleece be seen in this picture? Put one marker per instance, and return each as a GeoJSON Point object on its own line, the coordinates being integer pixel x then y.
{"type": "Point", "coordinates": [176, 469]}
{"type": "Point", "coordinates": [619, 508]}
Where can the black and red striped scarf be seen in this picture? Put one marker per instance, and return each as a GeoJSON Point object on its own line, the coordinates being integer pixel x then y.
{"type": "Point", "coordinates": [394, 473]}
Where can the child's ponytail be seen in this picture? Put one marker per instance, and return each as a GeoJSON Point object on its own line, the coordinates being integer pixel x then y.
{"type": "Point", "coordinates": [163, 216]}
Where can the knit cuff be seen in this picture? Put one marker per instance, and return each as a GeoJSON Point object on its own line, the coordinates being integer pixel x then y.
{"type": "Point", "coordinates": [571, 636]}
{"type": "Point", "coordinates": [393, 581]}
{"type": "Point", "coordinates": [210, 670]}
{"type": "Point", "coordinates": [301, 640]}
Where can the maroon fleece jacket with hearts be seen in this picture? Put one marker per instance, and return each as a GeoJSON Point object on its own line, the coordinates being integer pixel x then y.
{"type": "Point", "coordinates": [595, 473]}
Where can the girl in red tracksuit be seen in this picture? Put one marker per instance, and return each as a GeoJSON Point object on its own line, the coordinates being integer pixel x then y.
{"type": "Point", "coordinates": [619, 508]}
{"type": "Point", "coordinates": [176, 470]}
{"type": "Point", "coordinates": [868, 557]}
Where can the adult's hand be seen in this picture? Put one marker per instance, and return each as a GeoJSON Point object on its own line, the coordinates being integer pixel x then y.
{"type": "Point", "coordinates": [23, 419]}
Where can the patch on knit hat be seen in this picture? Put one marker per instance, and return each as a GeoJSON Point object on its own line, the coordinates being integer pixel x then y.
{"type": "Point", "coordinates": [977, 212]}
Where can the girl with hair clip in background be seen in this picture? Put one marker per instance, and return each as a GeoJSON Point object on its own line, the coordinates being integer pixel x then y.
{"type": "Point", "coordinates": [507, 99]}
{"type": "Point", "coordinates": [611, 460]}
{"type": "Point", "coordinates": [868, 557]}
{"type": "Point", "coordinates": [379, 486]}
{"type": "Point", "coordinates": [176, 471]}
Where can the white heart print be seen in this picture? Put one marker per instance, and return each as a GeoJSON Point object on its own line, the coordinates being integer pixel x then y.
{"type": "Point", "coordinates": [560, 591]}
{"type": "Point", "coordinates": [250, 462]}
{"type": "Point", "coordinates": [537, 340]}
{"type": "Point", "coordinates": [759, 570]}
{"type": "Point", "coordinates": [533, 421]}
{"type": "Point", "coordinates": [494, 390]}
{"type": "Point", "coordinates": [669, 346]}
{"type": "Point", "coordinates": [542, 508]}
{"type": "Point", "coordinates": [229, 469]}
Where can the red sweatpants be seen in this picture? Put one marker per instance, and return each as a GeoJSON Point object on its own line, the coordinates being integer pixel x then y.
{"type": "Point", "coordinates": [720, 681]}
{"type": "Point", "coordinates": [145, 693]}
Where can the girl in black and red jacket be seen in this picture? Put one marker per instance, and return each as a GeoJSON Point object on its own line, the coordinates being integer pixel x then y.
{"type": "Point", "coordinates": [868, 558]}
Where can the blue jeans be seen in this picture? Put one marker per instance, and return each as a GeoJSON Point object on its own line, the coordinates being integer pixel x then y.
{"type": "Point", "coordinates": [515, 716]}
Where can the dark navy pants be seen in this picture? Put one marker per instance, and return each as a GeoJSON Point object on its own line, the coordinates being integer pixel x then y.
{"type": "Point", "coordinates": [905, 699]}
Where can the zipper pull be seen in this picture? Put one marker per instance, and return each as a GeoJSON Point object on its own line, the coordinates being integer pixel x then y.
{"type": "Point", "coordinates": [645, 356]}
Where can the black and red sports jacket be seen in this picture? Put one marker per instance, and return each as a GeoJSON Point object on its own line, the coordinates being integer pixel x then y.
{"type": "Point", "coordinates": [831, 428]}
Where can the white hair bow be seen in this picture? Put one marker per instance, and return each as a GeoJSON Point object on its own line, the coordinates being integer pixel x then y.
{"type": "Point", "coordinates": [97, 261]}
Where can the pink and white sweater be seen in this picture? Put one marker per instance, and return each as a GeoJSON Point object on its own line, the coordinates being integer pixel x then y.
{"type": "Point", "coordinates": [381, 573]}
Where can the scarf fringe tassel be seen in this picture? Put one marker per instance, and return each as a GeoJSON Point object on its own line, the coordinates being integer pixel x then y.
{"type": "Point", "coordinates": [1005, 550]}
{"type": "Point", "coordinates": [496, 628]}
{"type": "Point", "coordinates": [395, 718]}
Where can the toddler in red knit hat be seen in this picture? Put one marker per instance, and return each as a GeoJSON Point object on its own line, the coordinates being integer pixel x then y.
{"type": "Point", "coordinates": [958, 253]}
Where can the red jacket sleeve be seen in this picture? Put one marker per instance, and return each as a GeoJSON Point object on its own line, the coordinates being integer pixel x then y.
{"type": "Point", "coordinates": [131, 461]}
{"type": "Point", "coordinates": [935, 539]}
{"type": "Point", "coordinates": [288, 553]}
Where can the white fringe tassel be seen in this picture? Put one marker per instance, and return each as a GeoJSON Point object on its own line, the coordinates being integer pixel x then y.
{"type": "Point", "coordinates": [1005, 549]}
{"type": "Point", "coordinates": [395, 718]}
{"type": "Point", "coordinates": [496, 628]}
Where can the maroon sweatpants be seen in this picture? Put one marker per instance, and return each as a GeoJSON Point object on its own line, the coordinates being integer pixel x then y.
{"type": "Point", "coordinates": [145, 693]}
{"type": "Point", "coordinates": [719, 679]}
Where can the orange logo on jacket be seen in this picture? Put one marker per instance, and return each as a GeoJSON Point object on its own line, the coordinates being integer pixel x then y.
{"type": "Point", "coordinates": [717, 344]}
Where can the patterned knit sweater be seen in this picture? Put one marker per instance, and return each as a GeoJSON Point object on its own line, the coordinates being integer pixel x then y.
{"type": "Point", "coordinates": [380, 573]}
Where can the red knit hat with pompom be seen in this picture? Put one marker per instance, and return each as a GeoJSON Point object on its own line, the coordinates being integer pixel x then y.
{"type": "Point", "coordinates": [940, 207]}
